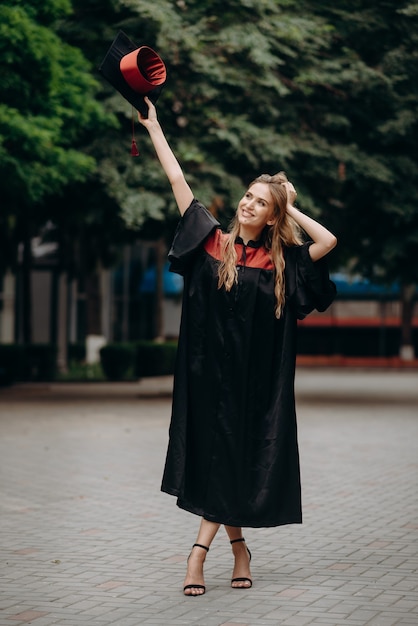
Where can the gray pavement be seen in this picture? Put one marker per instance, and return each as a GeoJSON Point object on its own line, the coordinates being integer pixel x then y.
{"type": "Point", "coordinates": [88, 538]}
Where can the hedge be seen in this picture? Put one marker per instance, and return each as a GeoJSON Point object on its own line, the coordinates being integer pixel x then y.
{"type": "Point", "coordinates": [34, 362]}
{"type": "Point", "coordinates": [118, 361]}
{"type": "Point", "coordinates": [77, 352]}
{"type": "Point", "coordinates": [40, 361]}
{"type": "Point", "coordinates": [12, 363]}
{"type": "Point", "coordinates": [155, 359]}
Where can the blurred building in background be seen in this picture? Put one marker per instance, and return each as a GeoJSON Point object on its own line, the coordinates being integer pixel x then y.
{"type": "Point", "coordinates": [364, 320]}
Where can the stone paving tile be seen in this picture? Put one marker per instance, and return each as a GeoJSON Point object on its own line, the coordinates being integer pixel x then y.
{"type": "Point", "coordinates": [27, 616]}
{"type": "Point", "coordinates": [88, 538]}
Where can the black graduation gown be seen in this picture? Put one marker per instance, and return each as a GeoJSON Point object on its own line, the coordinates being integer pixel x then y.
{"type": "Point", "coordinates": [233, 454]}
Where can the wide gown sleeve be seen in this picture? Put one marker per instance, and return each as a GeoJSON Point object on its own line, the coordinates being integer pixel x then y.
{"type": "Point", "coordinates": [308, 284]}
{"type": "Point", "coordinates": [195, 226]}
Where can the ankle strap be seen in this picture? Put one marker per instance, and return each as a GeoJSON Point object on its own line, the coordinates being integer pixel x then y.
{"type": "Point", "coordinates": [199, 545]}
{"type": "Point", "coordinates": [235, 540]}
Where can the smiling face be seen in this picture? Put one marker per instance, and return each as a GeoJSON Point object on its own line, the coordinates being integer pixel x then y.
{"type": "Point", "coordinates": [255, 210]}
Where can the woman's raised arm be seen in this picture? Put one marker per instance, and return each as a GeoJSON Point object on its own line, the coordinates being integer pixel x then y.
{"type": "Point", "coordinates": [323, 240]}
{"type": "Point", "coordinates": [181, 190]}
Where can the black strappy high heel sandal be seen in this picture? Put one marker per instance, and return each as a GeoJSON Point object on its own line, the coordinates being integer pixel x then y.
{"type": "Point", "coordinates": [242, 580]}
{"type": "Point", "coordinates": [193, 586]}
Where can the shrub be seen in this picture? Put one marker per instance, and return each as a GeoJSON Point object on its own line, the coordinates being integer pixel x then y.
{"type": "Point", "coordinates": [82, 373]}
{"type": "Point", "coordinates": [118, 360]}
{"type": "Point", "coordinates": [40, 361]}
{"type": "Point", "coordinates": [77, 352]}
{"type": "Point", "coordinates": [12, 363]}
{"type": "Point", "coordinates": [155, 359]}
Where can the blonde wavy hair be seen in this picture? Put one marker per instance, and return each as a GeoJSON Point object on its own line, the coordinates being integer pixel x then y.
{"type": "Point", "coordinates": [284, 232]}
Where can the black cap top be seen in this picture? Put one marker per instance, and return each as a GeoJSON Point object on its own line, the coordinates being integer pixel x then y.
{"type": "Point", "coordinates": [135, 71]}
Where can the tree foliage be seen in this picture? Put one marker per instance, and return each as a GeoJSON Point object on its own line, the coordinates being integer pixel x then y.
{"type": "Point", "coordinates": [47, 113]}
{"type": "Point", "coordinates": [227, 106]}
{"type": "Point", "coordinates": [373, 122]}
{"type": "Point", "coordinates": [325, 91]}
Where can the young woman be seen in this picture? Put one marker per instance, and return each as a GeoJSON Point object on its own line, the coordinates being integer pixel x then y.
{"type": "Point", "coordinates": [233, 454]}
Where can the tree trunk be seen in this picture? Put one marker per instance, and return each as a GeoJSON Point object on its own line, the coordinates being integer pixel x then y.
{"type": "Point", "coordinates": [93, 304]}
{"type": "Point", "coordinates": [62, 322]}
{"type": "Point", "coordinates": [406, 351]}
{"type": "Point", "coordinates": [125, 292]}
{"type": "Point", "coordinates": [94, 339]}
{"type": "Point", "coordinates": [26, 287]}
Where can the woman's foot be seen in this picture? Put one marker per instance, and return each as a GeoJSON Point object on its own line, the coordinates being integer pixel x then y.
{"type": "Point", "coordinates": [241, 576]}
{"type": "Point", "coordinates": [194, 583]}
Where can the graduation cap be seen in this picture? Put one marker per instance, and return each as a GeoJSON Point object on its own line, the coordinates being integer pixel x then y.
{"type": "Point", "coordinates": [134, 71]}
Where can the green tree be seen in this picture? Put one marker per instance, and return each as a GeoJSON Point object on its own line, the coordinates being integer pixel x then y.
{"type": "Point", "coordinates": [230, 69]}
{"type": "Point", "coordinates": [375, 124]}
{"type": "Point", "coordinates": [47, 111]}
{"type": "Point", "coordinates": [326, 92]}
{"type": "Point", "coordinates": [219, 106]}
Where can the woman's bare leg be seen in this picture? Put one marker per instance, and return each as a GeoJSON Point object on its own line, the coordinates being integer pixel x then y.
{"type": "Point", "coordinates": [242, 558]}
{"type": "Point", "coordinates": [194, 575]}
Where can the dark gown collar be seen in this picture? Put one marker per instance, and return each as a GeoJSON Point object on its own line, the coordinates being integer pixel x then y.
{"type": "Point", "coordinates": [251, 243]}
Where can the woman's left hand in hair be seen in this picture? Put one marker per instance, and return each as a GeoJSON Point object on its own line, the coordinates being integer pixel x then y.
{"type": "Point", "coordinates": [323, 240]}
{"type": "Point", "coordinates": [291, 192]}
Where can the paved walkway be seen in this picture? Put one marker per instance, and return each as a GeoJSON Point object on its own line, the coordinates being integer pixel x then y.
{"type": "Point", "coordinates": [87, 538]}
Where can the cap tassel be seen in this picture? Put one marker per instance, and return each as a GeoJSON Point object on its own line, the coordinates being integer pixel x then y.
{"type": "Point", "coordinates": [134, 147]}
